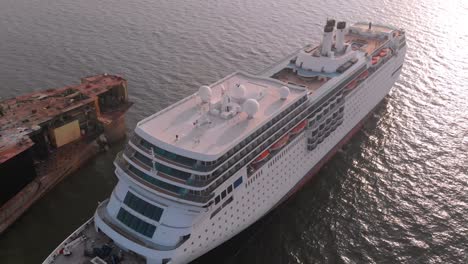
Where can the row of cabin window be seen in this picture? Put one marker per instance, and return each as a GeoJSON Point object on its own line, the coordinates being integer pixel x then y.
{"type": "Point", "coordinates": [333, 118]}
{"type": "Point", "coordinates": [260, 173]}
{"type": "Point", "coordinates": [136, 223]}
{"type": "Point", "coordinates": [323, 131]}
{"type": "Point", "coordinates": [318, 119]}
{"type": "Point", "coordinates": [225, 203]}
{"type": "Point", "coordinates": [228, 190]}
{"type": "Point", "coordinates": [286, 150]}
{"type": "Point", "coordinates": [328, 105]}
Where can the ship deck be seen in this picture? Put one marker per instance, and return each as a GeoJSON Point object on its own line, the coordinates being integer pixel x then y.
{"type": "Point", "coordinates": [174, 128]}
{"type": "Point", "coordinates": [84, 241]}
{"type": "Point", "coordinates": [288, 76]}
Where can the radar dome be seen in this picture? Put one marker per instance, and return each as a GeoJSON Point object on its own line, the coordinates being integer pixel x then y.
{"type": "Point", "coordinates": [251, 107]}
{"type": "Point", "coordinates": [238, 91]}
{"type": "Point", "coordinates": [284, 92]}
{"type": "Point", "coordinates": [205, 93]}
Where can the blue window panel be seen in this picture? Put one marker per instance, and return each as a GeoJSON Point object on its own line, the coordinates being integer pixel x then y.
{"type": "Point", "coordinates": [238, 182]}
{"type": "Point", "coordinates": [143, 207]}
{"type": "Point", "coordinates": [136, 223]}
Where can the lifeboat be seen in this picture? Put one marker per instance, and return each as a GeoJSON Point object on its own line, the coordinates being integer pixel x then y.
{"type": "Point", "coordinates": [383, 52]}
{"type": "Point", "coordinates": [262, 157]}
{"type": "Point", "coordinates": [280, 143]}
{"type": "Point", "coordinates": [363, 75]}
{"type": "Point", "coordinates": [375, 60]}
{"type": "Point", "coordinates": [351, 85]}
{"type": "Point", "coordinates": [298, 129]}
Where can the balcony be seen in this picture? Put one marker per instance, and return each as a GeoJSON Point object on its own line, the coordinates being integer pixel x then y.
{"type": "Point", "coordinates": [147, 164]}
{"type": "Point", "coordinates": [162, 154]}
{"type": "Point", "coordinates": [168, 190]}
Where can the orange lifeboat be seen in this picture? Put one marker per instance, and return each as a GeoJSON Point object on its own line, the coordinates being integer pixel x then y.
{"type": "Point", "coordinates": [375, 60]}
{"type": "Point", "coordinates": [262, 157]}
{"type": "Point", "coordinates": [298, 129]}
{"type": "Point", "coordinates": [383, 53]}
{"type": "Point", "coordinates": [363, 75]}
{"type": "Point", "coordinates": [351, 85]}
{"type": "Point", "coordinates": [280, 143]}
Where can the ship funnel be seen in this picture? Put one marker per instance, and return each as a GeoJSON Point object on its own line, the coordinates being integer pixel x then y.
{"type": "Point", "coordinates": [327, 38]}
{"type": "Point", "coordinates": [340, 35]}
{"type": "Point", "coordinates": [331, 22]}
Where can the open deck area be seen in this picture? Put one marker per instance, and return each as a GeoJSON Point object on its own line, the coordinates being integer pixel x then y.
{"type": "Point", "coordinates": [310, 83]}
{"type": "Point", "coordinates": [176, 129]}
{"type": "Point", "coordinates": [86, 244]}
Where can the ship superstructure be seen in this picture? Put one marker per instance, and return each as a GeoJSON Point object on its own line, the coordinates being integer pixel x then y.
{"type": "Point", "coordinates": [200, 171]}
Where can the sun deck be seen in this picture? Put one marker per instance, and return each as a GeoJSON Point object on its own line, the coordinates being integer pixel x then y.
{"type": "Point", "coordinates": [288, 76]}
{"type": "Point", "coordinates": [363, 43]}
{"type": "Point", "coordinates": [369, 37]}
{"type": "Point", "coordinates": [175, 128]}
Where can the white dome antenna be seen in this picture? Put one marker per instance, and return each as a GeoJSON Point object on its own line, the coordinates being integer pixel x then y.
{"type": "Point", "coordinates": [205, 94]}
{"type": "Point", "coordinates": [251, 107]}
{"type": "Point", "coordinates": [238, 92]}
{"type": "Point", "coordinates": [284, 92]}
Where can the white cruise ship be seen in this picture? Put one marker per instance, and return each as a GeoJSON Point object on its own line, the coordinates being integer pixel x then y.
{"type": "Point", "coordinates": [202, 170]}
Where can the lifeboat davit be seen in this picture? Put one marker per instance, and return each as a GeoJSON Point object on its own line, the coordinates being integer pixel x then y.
{"type": "Point", "coordinates": [280, 143]}
{"type": "Point", "coordinates": [351, 85]}
{"type": "Point", "coordinates": [298, 129]}
{"type": "Point", "coordinates": [262, 157]}
{"type": "Point", "coordinates": [364, 75]}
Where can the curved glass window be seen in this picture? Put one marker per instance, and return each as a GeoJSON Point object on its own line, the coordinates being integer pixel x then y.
{"type": "Point", "coordinates": [143, 207]}
{"type": "Point", "coordinates": [136, 223]}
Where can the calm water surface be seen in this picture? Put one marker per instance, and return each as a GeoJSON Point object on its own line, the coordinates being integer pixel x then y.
{"type": "Point", "coordinates": [397, 193]}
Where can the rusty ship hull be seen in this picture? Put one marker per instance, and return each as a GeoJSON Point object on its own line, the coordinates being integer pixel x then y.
{"type": "Point", "coordinates": [47, 135]}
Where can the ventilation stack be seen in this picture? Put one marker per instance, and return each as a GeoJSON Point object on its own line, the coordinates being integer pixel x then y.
{"type": "Point", "coordinates": [340, 36]}
{"type": "Point", "coordinates": [328, 37]}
